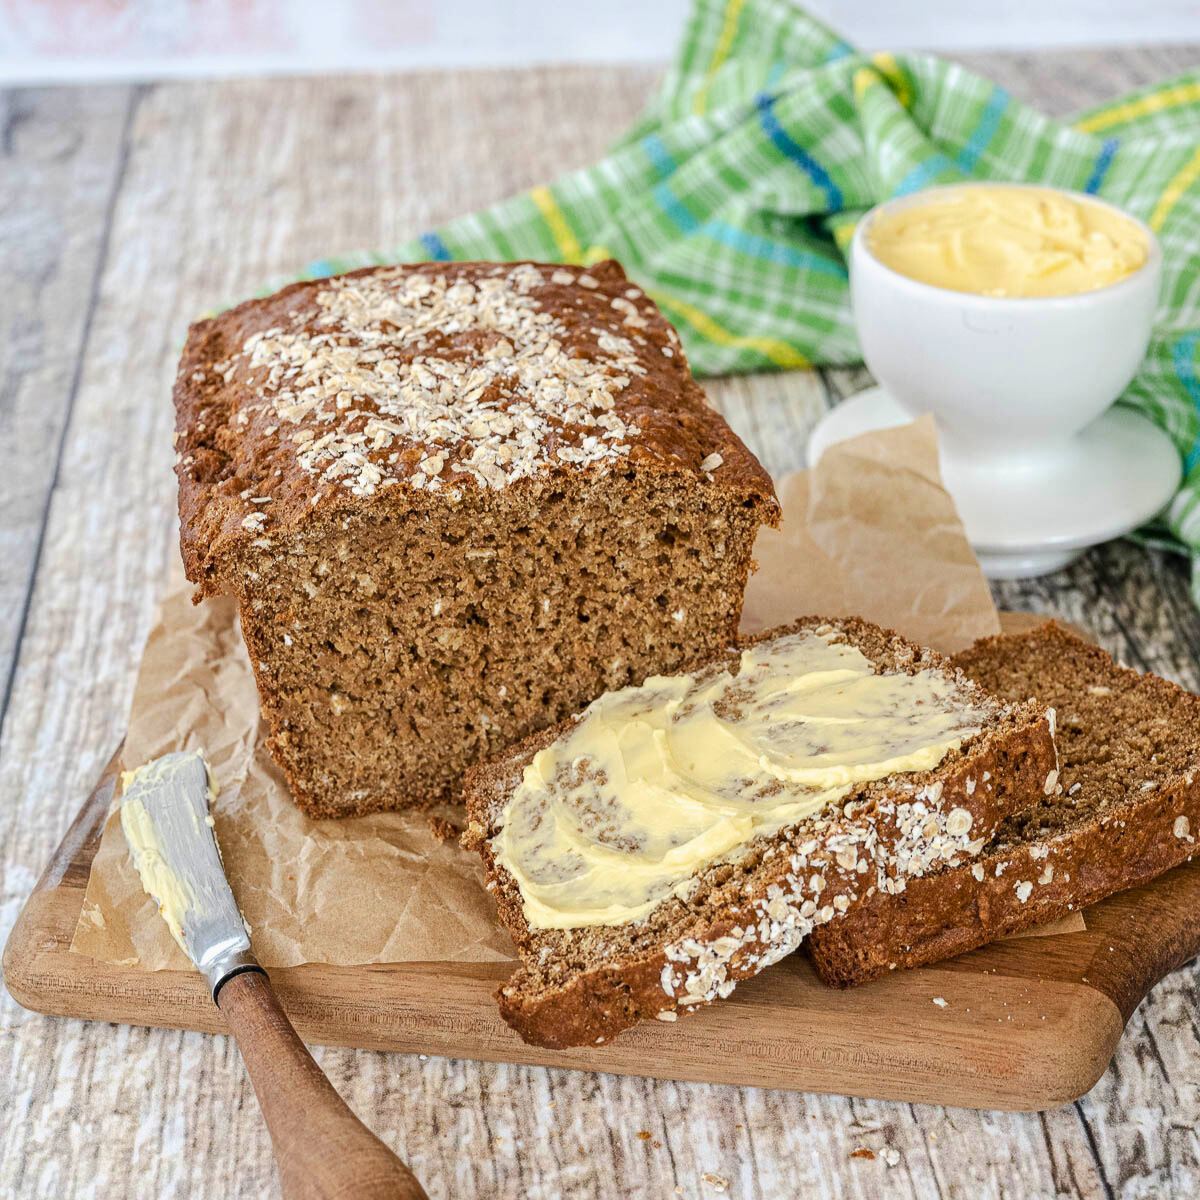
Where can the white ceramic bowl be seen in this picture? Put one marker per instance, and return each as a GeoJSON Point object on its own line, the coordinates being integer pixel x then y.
{"type": "Point", "coordinates": [1003, 376]}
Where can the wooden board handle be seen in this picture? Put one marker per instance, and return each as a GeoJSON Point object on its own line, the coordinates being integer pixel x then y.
{"type": "Point", "coordinates": [322, 1148]}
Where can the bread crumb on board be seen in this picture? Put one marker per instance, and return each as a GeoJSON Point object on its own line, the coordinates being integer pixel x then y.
{"type": "Point", "coordinates": [890, 1156]}
{"type": "Point", "coordinates": [444, 830]}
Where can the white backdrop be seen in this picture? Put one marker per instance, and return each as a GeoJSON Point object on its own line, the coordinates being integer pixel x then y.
{"type": "Point", "coordinates": [81, 39]}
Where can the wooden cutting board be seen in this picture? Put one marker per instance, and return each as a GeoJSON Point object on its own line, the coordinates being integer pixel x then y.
{"type": "Point", "coordinates": [1029, 1023]}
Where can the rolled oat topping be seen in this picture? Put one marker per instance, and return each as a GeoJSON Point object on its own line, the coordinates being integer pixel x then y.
{"type": "Point", "coordinates": [477, 373]}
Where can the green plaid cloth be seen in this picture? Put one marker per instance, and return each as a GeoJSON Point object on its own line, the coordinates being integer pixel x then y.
{"type": "Point", "coordinates": [732, 200]}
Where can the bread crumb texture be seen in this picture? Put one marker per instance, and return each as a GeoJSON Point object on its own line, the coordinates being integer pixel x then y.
{"type": "Point", "coordinates": [455, 503]}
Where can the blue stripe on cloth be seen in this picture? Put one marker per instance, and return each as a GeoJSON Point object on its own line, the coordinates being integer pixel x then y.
{"type": "Point", "coordinates": [775, 73]}
{"type": "Point", "coordinates": [989, 122]}
{"type": "Point", "coordinates": [675, 209]}
{"type": "Point", "coordinates": [319, 268]}
{"type": "Point", "coordinates": [435, 247]}
{"type": "Point", "coordinates": [922, 174]}
{"type": "Point", "coordinates": [771, 251]}
{"type": "Point", "coordinates": [765, 103]}
{"type": "Point", "coordinates": [658, 154]}
{"type": "Point", "coordinates": [1183, 358]}
{"type": "Point", "coordinates": [841, 50]}
{"type": "Point", "coordinates": [1103, 162]}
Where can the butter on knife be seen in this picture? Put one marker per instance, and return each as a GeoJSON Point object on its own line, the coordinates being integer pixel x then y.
{"type": "Point", "coordinates": [166, 821]}
{"type": "Point", "coordinates": [324, 1150]}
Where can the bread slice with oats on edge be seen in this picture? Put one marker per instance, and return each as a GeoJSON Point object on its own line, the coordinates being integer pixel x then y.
{"type": "Point", "coordinates": [749, 908]}
{"type": "Point", "coordinates": [1125, 808]}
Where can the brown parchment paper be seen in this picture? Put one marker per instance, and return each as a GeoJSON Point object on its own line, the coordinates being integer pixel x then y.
{"type": "Point", "coordinates": [371, 889]}
{"type": "Point", "coordinates": [870, 532]}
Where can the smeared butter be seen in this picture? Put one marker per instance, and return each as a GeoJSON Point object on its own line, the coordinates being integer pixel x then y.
{"type": "Point", "coordinates": [1008, 241]}
{"type": "Point", "coordinates": [172, 893]}
{"type": "Point", "coordinates": [656, 782]}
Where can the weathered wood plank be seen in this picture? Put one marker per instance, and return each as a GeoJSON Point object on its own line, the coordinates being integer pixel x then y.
{"type": "Point", "coordinates": [1062, 82]}
{"type": "Point", "coordinates": [61, 155]}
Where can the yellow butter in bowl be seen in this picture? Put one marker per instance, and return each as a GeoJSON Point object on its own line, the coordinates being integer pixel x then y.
{"type": "Point", "coordinates": [1008, 241]}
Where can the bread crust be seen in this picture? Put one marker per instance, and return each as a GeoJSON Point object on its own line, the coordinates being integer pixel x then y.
{"type": "Point", "coordinates": [744, 936]}
{"type": "Point", "coordinates": [231, 450]}
{"type": "Point", "coordinates": [1022, 884]}
{"type": "Point", "coordinates": [948, 914]}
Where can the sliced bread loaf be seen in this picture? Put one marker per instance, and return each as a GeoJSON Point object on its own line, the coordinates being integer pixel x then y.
{"type": "Point", "coordinates": [587, 975]}
{"type": "Point", "coordinates": [1126, 807]}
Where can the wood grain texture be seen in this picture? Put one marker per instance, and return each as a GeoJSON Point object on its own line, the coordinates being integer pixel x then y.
{"type": "Point", "coordinates": [225, 185]}
{"type": "Point", "coordinates": [1039, 1036]}
{"type": "Point", "coordinates": [323, 1151]}
{"type": "Point", "coordinates": [66, 150]}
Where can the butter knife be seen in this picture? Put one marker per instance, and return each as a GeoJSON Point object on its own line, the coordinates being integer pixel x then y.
{"type": "Point", "coordinates": [322, 1149]}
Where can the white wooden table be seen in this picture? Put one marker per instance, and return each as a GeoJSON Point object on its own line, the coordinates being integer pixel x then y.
{"type": "Point", "coordinates": [125, 212]}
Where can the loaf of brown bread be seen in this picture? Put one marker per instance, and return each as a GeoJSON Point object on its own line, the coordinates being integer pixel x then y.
{"type": "Point", "coordinates": [455, 502]}
{"type": "Point", "coordinates": [1126, 807]}
{"type": "Point", "coordinates": [752, 905]}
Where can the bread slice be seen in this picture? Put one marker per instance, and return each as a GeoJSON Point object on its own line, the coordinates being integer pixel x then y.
{"type": "Point", "coordinates": [430, 487]}
{"type": "Point", "coordinates": [743, 912]}
{"type": "Point", "coordinates": [1126, 808]}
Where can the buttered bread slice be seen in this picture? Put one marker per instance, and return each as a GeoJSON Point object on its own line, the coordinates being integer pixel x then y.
{"type": "Point", "coordinates": [681, 835]}
{"type": "Point", "coordinates": [1126, 808]}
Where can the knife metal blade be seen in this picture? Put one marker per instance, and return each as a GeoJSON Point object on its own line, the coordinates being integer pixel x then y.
{"type": "Point", "coordinates": [166, 821]}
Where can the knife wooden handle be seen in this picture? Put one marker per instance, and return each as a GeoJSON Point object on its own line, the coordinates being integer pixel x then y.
{"type": "Point", "coordinates": [322, 1148]}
